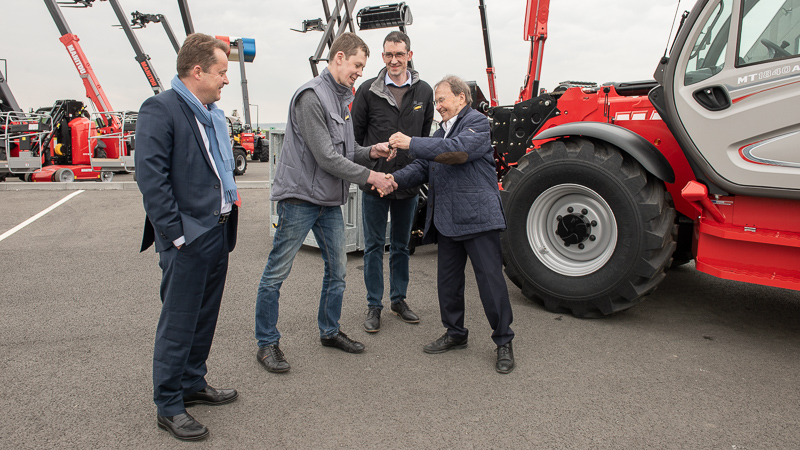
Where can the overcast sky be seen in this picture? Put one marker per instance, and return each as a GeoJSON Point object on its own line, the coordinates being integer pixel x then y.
{"type": "Point", "coordinates": [588, 40]}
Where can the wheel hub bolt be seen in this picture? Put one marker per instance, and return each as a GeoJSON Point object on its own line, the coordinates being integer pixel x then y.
{"type": "Point", "coordinates": [581, 246]}
{"type": "Point", "coordinates": [570, 209]}
{"type": "Point", "coordinates": [594, 223]}
{"type": "Point", "coordinates": [592, 238]}
{"type": "Point", "coordinates": [584, 211]}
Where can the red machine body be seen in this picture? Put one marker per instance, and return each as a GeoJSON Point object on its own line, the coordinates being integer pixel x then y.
{"type": "Point", "coordinates": [606, 187]}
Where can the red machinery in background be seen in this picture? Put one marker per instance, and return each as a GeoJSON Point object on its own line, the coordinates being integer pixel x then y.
{"type": "Point", "coordinates": [78, 148]}
{"type": "Point", "coordinates": [606, 187]}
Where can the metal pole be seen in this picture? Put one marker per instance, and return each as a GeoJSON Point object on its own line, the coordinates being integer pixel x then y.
{"type": "Point", "coordinates": [257, 121]}
{"type": "Point", "coordinates": [186, 16]}
{"type": "Point", "coordinates": [245, 95]}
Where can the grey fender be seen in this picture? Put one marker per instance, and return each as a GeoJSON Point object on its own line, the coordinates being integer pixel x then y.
{"type": "Point", "coordinates": [631, 143]}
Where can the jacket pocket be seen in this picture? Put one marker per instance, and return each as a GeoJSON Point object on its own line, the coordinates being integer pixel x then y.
{"type": "Point", "coordinates": [337, 129]}
{"type": "Point", "coordinates": [467, 205]}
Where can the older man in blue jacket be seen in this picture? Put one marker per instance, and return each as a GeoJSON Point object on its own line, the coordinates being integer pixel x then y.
{"type": "Point", "coordinates": [465, 216]}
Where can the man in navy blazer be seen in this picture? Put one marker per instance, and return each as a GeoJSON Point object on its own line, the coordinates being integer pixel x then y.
{"type": "Point", "coordinates": [184, 171]}
{"type": "Point", "coordinates": [464, 216]}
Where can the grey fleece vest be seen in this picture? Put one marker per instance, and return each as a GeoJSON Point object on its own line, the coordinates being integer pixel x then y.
{"type": "Point", "coordinates": [298, 175]}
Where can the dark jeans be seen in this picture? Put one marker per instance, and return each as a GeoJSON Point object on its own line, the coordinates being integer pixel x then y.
{"type": "Point", "coordinates": [375, 211]}
{"type": "Point", "coordinates": [294, 223]}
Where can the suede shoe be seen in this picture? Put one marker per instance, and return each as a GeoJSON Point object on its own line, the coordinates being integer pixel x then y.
{"type": "Point", "coordinates": [210, 396]}
{"type": "Point", "coordinates": [444, 344]}
{"type": "Point", "coordinates": [373, 322]}
{"type": "Point", "coordinates": [183, 427]}
{"type": "Point", "coordinates": [271, 358]}
{"type": "Point", "coordinates": [401, 309]}
{"type": "Point", "coordinates": [505, 358]}
{"type": "Point", "coordinates": [343, 342]}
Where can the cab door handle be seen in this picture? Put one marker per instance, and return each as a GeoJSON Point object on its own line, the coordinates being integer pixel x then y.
{"type": "Point", "coordinates": [713, 98]}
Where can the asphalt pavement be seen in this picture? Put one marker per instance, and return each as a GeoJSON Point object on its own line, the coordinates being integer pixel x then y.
{"type": "Point", "coordinates": [701, 363]}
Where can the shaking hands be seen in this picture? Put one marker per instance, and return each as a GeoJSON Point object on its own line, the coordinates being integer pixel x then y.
{"type": "Point", "coordinates": [382, 182]}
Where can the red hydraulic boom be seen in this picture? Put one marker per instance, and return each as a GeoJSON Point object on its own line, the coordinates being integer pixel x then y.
{"type": "Point", "coordinates": [536, 15]}
{"type": "Point", "coordinates": [93, 89]}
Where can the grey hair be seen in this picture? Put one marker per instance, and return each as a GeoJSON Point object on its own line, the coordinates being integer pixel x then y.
{"type": "Point", "coordinates": [457, 86]}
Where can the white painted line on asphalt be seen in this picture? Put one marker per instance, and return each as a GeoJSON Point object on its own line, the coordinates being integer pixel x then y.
{"type": "Point", "coordinates": [32, 219]}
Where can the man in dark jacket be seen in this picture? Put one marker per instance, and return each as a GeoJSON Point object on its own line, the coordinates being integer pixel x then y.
{"type": "Point", "coordinates": [465, 216]}
{"type": "Point", "coordinates": [395, 100]}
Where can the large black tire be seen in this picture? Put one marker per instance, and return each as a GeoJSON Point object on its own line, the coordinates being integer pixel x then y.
{"type": "Point", "coordinates": [240, 161]}
{"type": "Point", "coordinates": [617, 219]}
{"type": "Point", "coordinates": [263, 150]}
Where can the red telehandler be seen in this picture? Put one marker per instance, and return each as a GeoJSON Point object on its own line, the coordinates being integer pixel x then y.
{"type": "Point", "coordinates": [605, 187]}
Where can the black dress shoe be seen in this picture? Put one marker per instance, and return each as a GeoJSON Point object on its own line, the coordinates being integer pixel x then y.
{"type": "Point", "coordinates": [271, 358]}
{"type": "Point", "coordinates": [210, 396]}
{"type": "Point", "coordinates": [505, 358]}
{"type": "Point", "coordinates": [183, 427]}
{"type": "Point", "coordinates": [373, 322]}
{"type": "Point", "coordinates": [401, 309]}
{"type": "Point", "coordinates": [343, 342]}
{"type": "Point", "coordinates": [444, 344]}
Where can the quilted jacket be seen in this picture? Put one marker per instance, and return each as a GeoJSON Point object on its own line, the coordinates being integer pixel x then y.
{"type": "Point", "coordinates": [463, 197]}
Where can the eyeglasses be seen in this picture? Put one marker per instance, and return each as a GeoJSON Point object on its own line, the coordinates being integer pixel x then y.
{"type": "Point", "coordinates": [441, 99]}
{"type": "Point", "coordinates": [398, 55]}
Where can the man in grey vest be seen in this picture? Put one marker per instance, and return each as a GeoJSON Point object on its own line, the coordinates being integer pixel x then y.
{"type": "Point", "coordinates": [318, 161]}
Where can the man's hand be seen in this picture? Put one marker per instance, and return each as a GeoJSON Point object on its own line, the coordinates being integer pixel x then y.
{"type": "Point", "coordinates": [382, 182]}
{"type": "Point", "coordinates": [399, 140]}
{"type": "Point", "coordinates": [382, 150]}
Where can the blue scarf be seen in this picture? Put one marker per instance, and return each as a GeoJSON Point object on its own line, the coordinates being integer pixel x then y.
{"type": "Point", "coordinates": [213, 119]}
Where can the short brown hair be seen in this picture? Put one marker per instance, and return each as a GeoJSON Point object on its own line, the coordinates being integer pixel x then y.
{"type": "Point", "coordinates": [398, 37]}
{"type": "Point", "coordinates": [349, 44]}
{"type": "Point", "coordinates": [457, 86]}
{"type": "Point", "coordinates": [198, 49]}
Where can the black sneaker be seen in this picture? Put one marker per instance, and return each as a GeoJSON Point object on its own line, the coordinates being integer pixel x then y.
{"type": "Point", "coordinates": [444, 344]}
{"type": "Point", "coordinates": [401, 309]}
{"type": "Point", "coordinates": [271, 358]}
{"type": "Point", "coordinates": [341, 341]}
{"type": "Point", "coordinates": [505, 358]}
{"type": "Point", "coordinates": [373, 322]}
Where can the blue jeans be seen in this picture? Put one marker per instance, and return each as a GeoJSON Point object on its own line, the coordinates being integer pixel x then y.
{"type": "Point", "coordinates": [375, 211]}
{"type": "Point", "coordinates": [294, 222]}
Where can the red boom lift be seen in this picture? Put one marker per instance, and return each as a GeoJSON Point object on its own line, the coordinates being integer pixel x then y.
{"type": "Point", "coordinates": [608, 186]}
{"type": "Point", "coordinates": [77, 147]}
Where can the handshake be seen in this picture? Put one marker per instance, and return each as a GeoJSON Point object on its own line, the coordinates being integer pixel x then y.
{"type": "Point", "coordinates": [384, 182]}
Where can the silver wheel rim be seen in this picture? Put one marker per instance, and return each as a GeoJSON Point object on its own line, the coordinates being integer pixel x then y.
{"type": "Point", "coordinates": [549, 247]}
{"type": "Point", "coordinates": [67, 176]}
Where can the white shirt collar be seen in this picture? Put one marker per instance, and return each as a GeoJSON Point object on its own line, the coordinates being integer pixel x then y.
{"type": "Point", "coordinates": [388, 80]}
{"type": "Point", "coordinates": [447, 125]}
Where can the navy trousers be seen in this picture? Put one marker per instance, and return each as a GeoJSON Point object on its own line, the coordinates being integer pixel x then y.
{"type": "Point", "coordinates": [484, 251]}
{"type": "Point", "coordinates": [193, 279]}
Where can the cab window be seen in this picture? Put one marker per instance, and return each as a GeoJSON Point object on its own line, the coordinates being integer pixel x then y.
{"type": "Point", "coordinates": [708, 53]}
{"type": "Point", "coordinates": [770, 30]}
